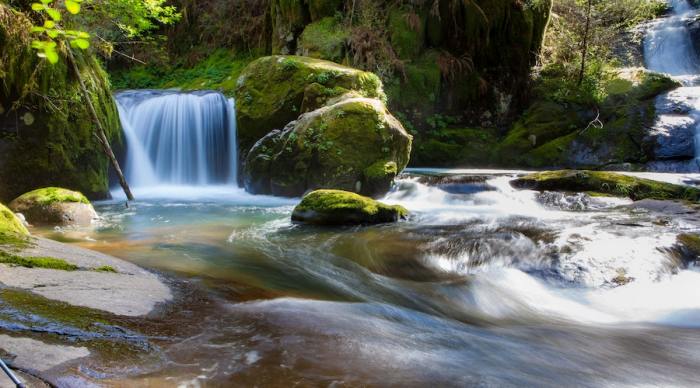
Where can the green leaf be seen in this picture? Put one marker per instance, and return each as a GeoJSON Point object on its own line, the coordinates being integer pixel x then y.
{"type": "Point", "coordinates": [51, 55]}
{"type": "Point", "coordinates": [72, 7]}
{"type": "Point", "coordinates": [37, 7]}
{"type": "Point", "coordinates": [53, 34]}
{"type": "Point", "coordinates": [80, 43]}
{"type": "Point", "coordinates": [47, 1]}
{"type": "Point", "coordinates": [49, 24]}
{"type": "Point", "coordinates": [38, 29]}
{"type": "Point", "coordinates": [54, 14]}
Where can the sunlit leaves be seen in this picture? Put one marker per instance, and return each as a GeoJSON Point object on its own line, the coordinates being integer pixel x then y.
{"type": "Point", "coordinates": [48, 48]}
{"type": "Point", "coordinates": [73, 6]}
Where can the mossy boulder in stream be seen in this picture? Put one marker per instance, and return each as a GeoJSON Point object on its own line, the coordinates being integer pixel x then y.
{"type": "Point", "coordinates": [12, 231]}
{"type": "Point", "coordinates": [54, 206]}
{"type": "Point", "coordinates": [354, 144]}
{"type": "Point", "coordinates": [608, 183]}
{"type": "Point", "coordinates": [274, 90]}
{"type": "Point", "coordinates": [46, 130]}
{"type": "Point", "coordinates": [337, 207]}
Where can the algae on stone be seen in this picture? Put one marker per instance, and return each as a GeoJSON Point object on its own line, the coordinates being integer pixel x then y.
{"type": "Point", "coordinates": [609, 183]}
{"type": "Point", "coordinates": [337, 207]}
{"type": "Point", "coordinates": [354, 145]}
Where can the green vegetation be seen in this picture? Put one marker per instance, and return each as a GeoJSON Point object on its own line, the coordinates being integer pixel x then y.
{"type": "Point", "coordinates": [105, 268]}
{"type": "Point", "coordinates": [324, 39]}
{"type": "Point", "coordinates": [272, 91]}
{"type": "Point", "coordinates": [36, 262]}
{"type": "Point", "coordinates": [219, 71]}
{"type": "Point", "coordinates": [609, 183]}
{"type": "Point", "coordinates": [354, 145]}
{"type": "Point", "coordinates": [337, 207]}
{"type": "Point", "coordinates": [12, 232]}
{"type": "Point", "coordinates": [691, 242]}
{"type": "Point", "coordinates": [50, 195]}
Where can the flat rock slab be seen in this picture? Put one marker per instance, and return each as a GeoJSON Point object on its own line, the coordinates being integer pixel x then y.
{"type": "Point", "coordinates": [132, 291]}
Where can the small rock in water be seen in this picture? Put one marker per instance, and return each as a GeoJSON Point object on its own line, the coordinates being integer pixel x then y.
{"type": "Point", "coordinates": [337, 207]}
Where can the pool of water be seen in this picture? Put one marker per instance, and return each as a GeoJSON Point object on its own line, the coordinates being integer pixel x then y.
{"type": "Point", "coordinates": [483, 285]}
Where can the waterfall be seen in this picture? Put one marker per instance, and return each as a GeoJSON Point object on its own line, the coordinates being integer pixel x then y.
{"type": "Point", "coordinates": [176, 138]}
{"type": "Point", "coordinates": [668, 48]}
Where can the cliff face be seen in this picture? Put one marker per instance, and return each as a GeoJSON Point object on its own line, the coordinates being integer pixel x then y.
{"type": "Point", "coordinates": [46, 132]}
{"type": "Point", "coordinates": [469, 60]}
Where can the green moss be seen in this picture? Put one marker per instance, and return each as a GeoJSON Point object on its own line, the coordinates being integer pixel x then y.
{"type": "Point", "coordinates": [219, 71]}
{"type": "Point", "coordinates": [50, 195]}
{"type": "Point", "coordinates": [416, 92]}
{"type": "Point", "coordinates": [342, 207]}
{"type": "Point", "coordinates": [105, 268]}
{"type": "Point", "coordinates": [691, 241]}
{"type": "Point", "coordinates": [271, 91]}
{"type": "Point", "coordinates": [56, 146]}
{"type": "Point", "coordinates": [381, 169]}
{"type": "Point", "coordinates": [12, 231]}
{"type": "Point", "coordinates": [36, 262]}
{"type": "Point", "coordinates": [406, 32]}
{"type": "Point", "coordinates": [324, 39]}
{"type": "Point", "coordinates": [610, 183]}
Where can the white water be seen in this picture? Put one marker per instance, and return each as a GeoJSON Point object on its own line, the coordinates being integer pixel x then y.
{"type": "Point", "coordinates": [668, 48]}
{"type": "Point", "coordinates": [176, 139]}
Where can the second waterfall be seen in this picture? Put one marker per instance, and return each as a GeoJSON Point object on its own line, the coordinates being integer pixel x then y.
{"type": "Point", "coordinates": [176, 138]}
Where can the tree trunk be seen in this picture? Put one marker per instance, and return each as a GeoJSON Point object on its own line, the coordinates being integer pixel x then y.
{"type": "Point", "coordinates": [584, 46]}
{"type": "Point", "coordinates": [99, 130]}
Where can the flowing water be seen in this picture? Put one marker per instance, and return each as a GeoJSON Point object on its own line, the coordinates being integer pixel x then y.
{"type": "Point", "coordinates": [484, 285]}
{"type": "Point", "coordinates": [668, 48]}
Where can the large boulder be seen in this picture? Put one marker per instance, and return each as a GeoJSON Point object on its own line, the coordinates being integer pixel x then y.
{"type": "Point", "coordinates": [337, 207]}
{"type": "Point", "coordinates": [274, 90]}
{"type": "Point", "coordinates": [54, 206]}
{"type": "Point", "coordinates": [352, 144]}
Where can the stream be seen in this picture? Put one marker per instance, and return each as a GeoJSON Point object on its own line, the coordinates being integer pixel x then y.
{"type": "Point", "coordinates": [483, 285]}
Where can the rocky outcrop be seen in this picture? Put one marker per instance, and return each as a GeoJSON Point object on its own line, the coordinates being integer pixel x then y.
{"type": "Point", "coordinates": [316, 124]}
{"type": "Point", "coordinates": [336, 207]}
{"type": "Point", "coordinates": [607, 183]}
{"type": "Point", "coordinates": [272, 91]}
{"type": "Point", "coordinates": [354, 144]}
{"type": "Point", "coordinates": [556, 134]}
{"type": "Point", "coordinates": [46, 131]}
{"type": "Point", "coordinates": [11, 227]}
{"type": "Point", "coordinates": [55, 206]}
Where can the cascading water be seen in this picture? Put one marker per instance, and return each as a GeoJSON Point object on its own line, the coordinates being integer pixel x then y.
{"type": "Point", "coordinates": [668, 48]}
{"type": "Point", "coordinates": [178, 138]}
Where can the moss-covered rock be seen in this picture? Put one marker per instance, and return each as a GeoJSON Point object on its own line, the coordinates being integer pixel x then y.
{"type": "Point", "coordinates": [354, 144]}
{"type": "Point", "coordinates": [46, 131]}
{"type": "Point", "coordinates": [690, 243]}
{"type": "Point", "coordinates": [324, 39]}
{"type": "Point", "coordinates": [54, 206]}
{"type": "Point", "coordinates": [564, 133]}
{"type": "Point", "coordinates": [608, 183]}
{"type": "Point", "coordinates": [337, 207]}
{"type": "Point", "coordinates": [407, 31]}
{"type": "Point", "coordinates": [271, 91]}
{"type": "Point", "coordinates": [12, 231]}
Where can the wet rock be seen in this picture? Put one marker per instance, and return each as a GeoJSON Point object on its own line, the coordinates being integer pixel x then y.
{"type": "Point", "coordinates": [337, 207]}
{"type": "Point", "coordinates": [55, 206]}
{"type": "Point", "coordinates": [607, 183]}
{"type": "Point", "coordinates": [672, 135]}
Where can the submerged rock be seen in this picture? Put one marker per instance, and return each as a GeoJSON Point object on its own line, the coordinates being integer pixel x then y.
{"type": "Point", "coordinates": [54, 206]}
{"type": "Point", "coordinates": [354, 145]}
{"type": "Point", "coordinates": [608, 183]}
{"type": "Point", "coordinates": [337, 207]}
